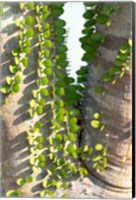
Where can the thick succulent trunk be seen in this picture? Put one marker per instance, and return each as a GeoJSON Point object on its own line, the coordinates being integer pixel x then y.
{"type": "Point", "coordinates": [114, 106]}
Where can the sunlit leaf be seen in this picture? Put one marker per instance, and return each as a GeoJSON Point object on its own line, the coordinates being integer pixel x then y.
{"type": "Point", "coordinates": [15, 88]}
{"type": "Point", "coordinates": [30, 32]}
{"type": "Point", "coordinates": [98, 147]}
{"type": "Point", "coordinates": [20, 181]}
{"type": "Point", "coordinates": [13, 69]}
{"type": "Point", "coordinates": [39, 139]}
{"type": "Point", "coordinates": [29, 179]}
{"type": "Point", "coordinates": [70, 148]}
{"type": "Point", "coordinates": [95, 123]}
{"type": "Point", "coordinates": [96, 158]}
{"type": "Point", "coordinates": [41, 158]}
{"type": "Point", "coordinates": [39, 146]}
{"type": "Point", "coordinates": [28, 20]}
{"type": "Point", "coordinates": [17, 79]}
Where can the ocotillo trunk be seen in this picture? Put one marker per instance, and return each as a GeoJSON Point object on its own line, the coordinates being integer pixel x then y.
{"type": "Point", "coordinates": [115, 107]}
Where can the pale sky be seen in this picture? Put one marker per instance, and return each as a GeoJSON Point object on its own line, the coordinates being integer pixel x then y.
{"type": "Point", "coordinates": [74, 24]}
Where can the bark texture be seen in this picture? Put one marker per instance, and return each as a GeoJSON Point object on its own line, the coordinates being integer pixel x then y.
{"type": "Point", "coordinates": [114, 106]}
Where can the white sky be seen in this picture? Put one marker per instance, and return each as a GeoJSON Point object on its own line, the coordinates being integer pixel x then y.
{"type": "Point", "coordinates": [74, 24]}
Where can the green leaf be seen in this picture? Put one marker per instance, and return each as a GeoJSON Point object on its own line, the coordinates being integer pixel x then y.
{"type": "Point", "coordinates": [30, 32]}
{"type": "Point", "coordinates": [37, 125]}
{"type": "Point", "coordinates": [99, 90]}
{"type": "Point", "coordinates": [27, 50]}
{"type": "Point", "coordinates": [60, 91]}
{"type": "Point", "coordinates": [39, 110]}
{"type": "Point", "coordinates": [71, 137]}
{"type": "Point", "coordinates": [17, 22]}
{"type": "Point", "coordinates": [30, 5]}
{"type": "Point", "coordinates": [64, 185]}
{"type": "Point", "coordinates": [42, 194]}
{"type": "Point", "coordinates": [118, 62]}
{"type": "Point", "coordinates": [60, 111]}
{"type": "Point", "coordinates": [59, 103]}
{"type": "Point", "coordinates": [31, 113]}
{"type": "Point", "coordinates": [11, 193]}
{"type": "Point", "coordinates": [39, 146]}
{"type": "Point", "coordinates": [5, 89]}
{"type": "Point", "coordinates": [47, 71]}
{"type": "Point", "coordinates": [24, 61]}
{"type": "Point", "coordinates": [74, 128]}
{"type": "Point", "coordinates": [16, 60]}
{"type": "Point", "coordinates": [97, 158]}
{"type": "Point", "coordinates": [31, 140]}
{"type": "Point", "coordinates": [50, 193]}
{"type": "Point", "coordinates": [114, 70]}
{"type": "Point", "coordinates": [73, 120]}
{"type": "Point", "coordinates": [47, 33]}
{"type": "Point", "coordinates": [98, 147]}
{"type": "Point", "coordinates": [41, 102]}
{"type": "Point", "coordinates": [52, 149]}
{"type": "Point", "coordinates": [15, 51]}
{"type": "Point", "coordinates": [46, 26]}
{"type": "Point", "coordinates": [45, 183]}
{"type": "Point", "coordinates": [32, 103]}
{"type": "Point", "coordinates": [70, 148]}
{"type": "Point", "coordinates": [108, 9]}
{"type": "Point", "coordinates": [41, 158]}
{"type": "Point", "coordinates": [47, 63]}
{"type": "Point", "coordinates": [58, 137]}
{"type": "Point", "coordinates": [97, 37]}
{"type": "Point", "coordinates": [15, 88]}
{"type": "Point", "coordinates": [32, 160]}
{"type": "Point", "coordinates": [37, 9]}
{"type": "Point", "coordinates": [107, 77]}
{"type": "Point", "coordinates": [53, 182]}
{"type": "Point", "coordinates": [122, 56]}
{"type": "Point", "coordinates": [60, 83]}
{"type": "Point", "coordinates": [61, 48]}
{"type": "Point", "coordinates": [60, 31]}
{"type": "Point", "coordinates": [48, 43]}
{"type": "Point", "coordinates": [102, 19]}
{"type": "Point", "coordinates": [95, 124]}
{"type": "Point", "coordinates": [59, 23]}
{"type": "Point", "coordinates": [21, 5]}
{"type": "Point", "coordinates": [125, 48]}
{"type": "Point", "coordinates": [20, 181]}
{"type": "Point", "coordinates": [49, 172]}
{"type": "Point", "coordinates": [90, 151]}
{"type": "Point", "coordinates": [130, 42]}
{"type": "Point", "coordinates": [44, 92]}
{"type": "Point", "coordinates": [34, 93]}
{"type": "Point", "coordinates": [39, 139]}
{"type": "Point", "coordinates": [29, 20]}
{"type": "Point", "coordinates": [29, 179]}
{"type": "Point", "coordinates": [104, 161]}
{"type": "Point", "coordinates": [13, 69]}
{"type": "Point", "coordinates": [41, 164]}
{"type": "Point", "coordinates": [32, 150]}
{"type": "Point", "coordinates": [57, 12]}
{"type": "Point", "coordinates": [34, 169]}
{"type": "Point", "coordinates": [9, 80]}
{"type": "Point", "coordinates": [44, 80]}
{"type": "Point", "coordinates": [74, 112]}
{"type": "Point", "coordinates": [46, 53]}
{"type": "Point", "coordinates": [86, 148]}
{"type": "Point", "coordinates": [96, 115]}
{"type": "Point", "coordinates": [17, 79]}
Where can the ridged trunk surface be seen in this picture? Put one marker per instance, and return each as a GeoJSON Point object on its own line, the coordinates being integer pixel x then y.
{"type": "Point", "coordinates": [115, 107]}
